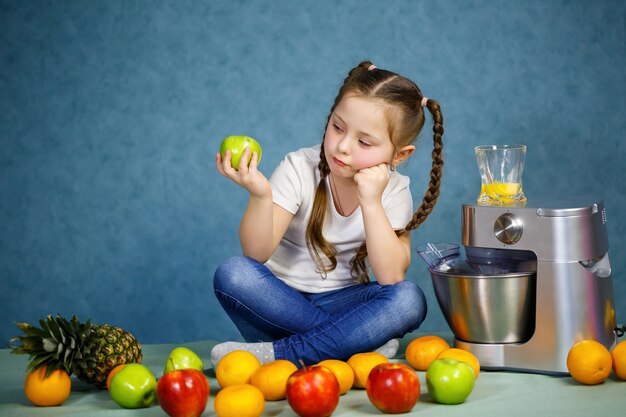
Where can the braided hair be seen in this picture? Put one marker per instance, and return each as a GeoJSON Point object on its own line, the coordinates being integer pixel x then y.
{"type": "Point", "coordinates": [407, 104]}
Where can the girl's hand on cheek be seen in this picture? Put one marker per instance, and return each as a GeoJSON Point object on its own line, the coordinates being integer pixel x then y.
{"type": "Point", "coordinates": [248, 177]}
{"type": "Point", "coordinates": [371, 183]}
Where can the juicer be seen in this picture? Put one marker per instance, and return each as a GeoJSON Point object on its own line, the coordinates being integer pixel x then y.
{"type": "Point", "coordinates": [536, 279]}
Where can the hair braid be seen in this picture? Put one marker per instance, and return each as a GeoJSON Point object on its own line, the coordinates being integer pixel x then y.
{"type": "Point", "coordinates": [432, 193]}
{"type": "Point", "coordinates": [358, 262]}
{"type": "Point", "coordinates": [314, 237]}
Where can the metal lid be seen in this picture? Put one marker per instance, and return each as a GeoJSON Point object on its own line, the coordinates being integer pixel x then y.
{"type": "Point", "coordinates": [557, 207]}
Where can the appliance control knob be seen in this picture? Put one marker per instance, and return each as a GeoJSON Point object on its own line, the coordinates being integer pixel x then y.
{"type": "Point", "coordinates": [508, 229]}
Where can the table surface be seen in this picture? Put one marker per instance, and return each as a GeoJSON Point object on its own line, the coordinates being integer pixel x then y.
{"type": "Point", "coordinates": [495, 394]}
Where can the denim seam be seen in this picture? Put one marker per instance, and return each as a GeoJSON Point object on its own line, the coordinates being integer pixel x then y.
{"type": "Point", "coordinates": [320, 332]}
{"type": "Point", "coordinates": [251, 311]}
{"type": "Point", "coordinates": [338, 300]}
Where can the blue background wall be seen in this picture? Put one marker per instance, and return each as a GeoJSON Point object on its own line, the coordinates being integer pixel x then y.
{"type": "Point", "coordinates": [111, 113]}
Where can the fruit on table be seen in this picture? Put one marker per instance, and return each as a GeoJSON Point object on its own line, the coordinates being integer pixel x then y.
{"type": "Point", "coordinates": [47, 390]}
{"type": "Point", "coordinates": [449, 381]}
{"type": "Point", "coordinates": [239, 400]}
{"type": "Point", "coordinates": [90, 351]}
{"type": "Point", "coordinates": [182, 358]}
{"type": "Point", "coordinates": [313, 391]}
{"type": "Point", "coordinates": [421, 351]}
{"type": "Point", "coordinates": [271, 378]}
{"type": "Point", "coordinates": [112, 374]}
{"type": "Point", "coordinates": [134, 386]}
{"type": "Point", "coordinates": [236, 145]}
{"type": "Point", "coordinates": [236, 367]}
{"type": "Point", "coordinates": [589, 362]}
{"type": "Point", "coordinates": [343, 372]}
{"type": "Point", "coordinates": [618, 354]}
{"type": "Point", "coordinates": [362, 364]}
{"type": "Point", "coordinates": [393, 388]}
{"type": "Point", "coordinates": [183, 392]}
{"type": "Point", "coordinates": [463, 356]}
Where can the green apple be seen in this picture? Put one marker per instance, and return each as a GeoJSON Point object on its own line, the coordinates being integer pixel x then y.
{"type": "Point", "coordinates": [182, 358]}
{"type": "Point", "coordinates": [449, 381]}
{"type": "Point", "coordinates": [134, 386]}
{"type": "Point", "coordinates": [236, 145]}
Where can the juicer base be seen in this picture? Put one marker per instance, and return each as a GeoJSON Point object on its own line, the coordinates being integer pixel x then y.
{"type": "Point", "coordinates": [520, 357]}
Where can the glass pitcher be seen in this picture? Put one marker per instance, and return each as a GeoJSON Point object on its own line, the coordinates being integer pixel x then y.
{"type": "Point", "coordinates": [501, 168]}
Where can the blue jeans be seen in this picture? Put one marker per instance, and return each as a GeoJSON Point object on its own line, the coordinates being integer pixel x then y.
{"type": "Point", "coordinates": [312, 327]}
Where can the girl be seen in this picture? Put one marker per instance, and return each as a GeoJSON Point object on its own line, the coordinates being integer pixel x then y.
{"type": "Point", "coordinates": [327, 217]}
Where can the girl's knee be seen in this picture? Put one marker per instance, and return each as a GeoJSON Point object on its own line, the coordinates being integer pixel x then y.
{"type": "Point", "coordinates": [410, 299]}
{"type": "Point", "coordinates": [232, 272]}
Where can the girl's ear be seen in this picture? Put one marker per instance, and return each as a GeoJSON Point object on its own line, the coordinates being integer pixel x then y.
{"type": "Point", "coordinates": [402, 154]}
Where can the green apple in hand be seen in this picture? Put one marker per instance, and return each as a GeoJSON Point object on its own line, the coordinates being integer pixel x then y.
{"type": "Point", "coordinates": [236, 145]}
{"type": "Point", "coordinates": [182, 358]}
{"type": "Point", "coordinates": [134, 386]}
{"type": "Point", "coordinates": [449, 381]}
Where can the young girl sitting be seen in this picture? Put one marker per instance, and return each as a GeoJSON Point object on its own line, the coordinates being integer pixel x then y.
{"type": "Point", "coordinates": [328, 216]}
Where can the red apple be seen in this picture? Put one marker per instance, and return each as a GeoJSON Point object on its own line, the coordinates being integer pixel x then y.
{"type": "Point", "coordinates": [393, 387]}
{"type": "Point", "coordinates": [313, 391]}
{"type": "Point", "coordinates": [183, 393]}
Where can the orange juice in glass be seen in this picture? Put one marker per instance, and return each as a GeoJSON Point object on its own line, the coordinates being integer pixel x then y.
{"type": "Point", "coordinates": [501, 168]}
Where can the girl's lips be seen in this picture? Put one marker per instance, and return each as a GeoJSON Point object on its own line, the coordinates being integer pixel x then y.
{"type": "Point", "coordinates": [340, 163]}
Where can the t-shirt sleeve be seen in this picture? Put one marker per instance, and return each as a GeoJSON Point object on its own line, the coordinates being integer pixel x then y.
{"type": "Point", "coordinates": [398, 202]}
{"type": "Point", "coordinates": [286, 184]}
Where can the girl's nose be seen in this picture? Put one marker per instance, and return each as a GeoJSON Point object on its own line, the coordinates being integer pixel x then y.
{"type": "Point", "coordinates": [343, 145]}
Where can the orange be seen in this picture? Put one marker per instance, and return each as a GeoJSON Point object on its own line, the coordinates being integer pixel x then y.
{"type": "Point", "coordinates": [271, 378]}
{"type": "Point", "coordinates": [112, 373]}
{"type": "Point", "coordinates": [423, 350]}
{"type": "Point", "coordinates": [239, 400]}
{"type": "Point", "coordinates": [343, 372]}
{"type": "Point", "coordinates": [618, 354]}
{"type": "Point", "coordinates": [236, 367]}
{"type": "Point", "coordinates": [589, 362]}
{"type": "Point", "coordinates": [463, 356]}
{"type": "Point", "coordinates": [47, 391]}
{"type": "Point", "coordinates": [362, 364]}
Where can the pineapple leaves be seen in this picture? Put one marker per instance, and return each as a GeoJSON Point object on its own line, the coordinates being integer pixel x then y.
{"type": "Point", "coordinates": [87, 350]}
{"type": "Point", "coordinates": [49, 345]}
{"type": "Point", "coordinates": [28, 344]}
{"type": "Point", "coordinates": [54, 344]}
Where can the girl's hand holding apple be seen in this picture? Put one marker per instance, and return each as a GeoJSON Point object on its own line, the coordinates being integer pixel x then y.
{"type": "Point", "coordinates": [246, 175]}
{"type": "Point", "coordinates": [237, 145]}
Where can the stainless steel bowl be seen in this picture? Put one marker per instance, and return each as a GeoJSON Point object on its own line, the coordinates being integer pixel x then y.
{"type": "Point", "coordinates": [487, 308]}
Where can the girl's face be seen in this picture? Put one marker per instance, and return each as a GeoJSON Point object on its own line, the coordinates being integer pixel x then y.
{"type": "Point", "coordinates": [357, 136]}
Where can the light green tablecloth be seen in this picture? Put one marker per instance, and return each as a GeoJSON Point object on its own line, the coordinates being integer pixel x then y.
{"type": "Point", "coordinates": [495, 394]}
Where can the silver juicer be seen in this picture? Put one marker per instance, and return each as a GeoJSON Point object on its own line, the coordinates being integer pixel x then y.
{"type": "Point", "coordinates": [536, 280]}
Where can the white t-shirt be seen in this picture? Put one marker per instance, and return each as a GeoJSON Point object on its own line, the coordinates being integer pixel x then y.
{"type": "Point", "coordinates": [293, 187]}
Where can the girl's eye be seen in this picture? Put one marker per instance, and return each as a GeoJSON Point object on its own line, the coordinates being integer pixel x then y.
{"type": "Point", "coordinates": [337, 128]}
{"type": "Point", "coordinates": [364, 143]}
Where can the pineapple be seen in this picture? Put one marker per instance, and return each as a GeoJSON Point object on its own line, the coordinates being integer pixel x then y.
{"type": "Point", "coordinates": [90, 351]}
